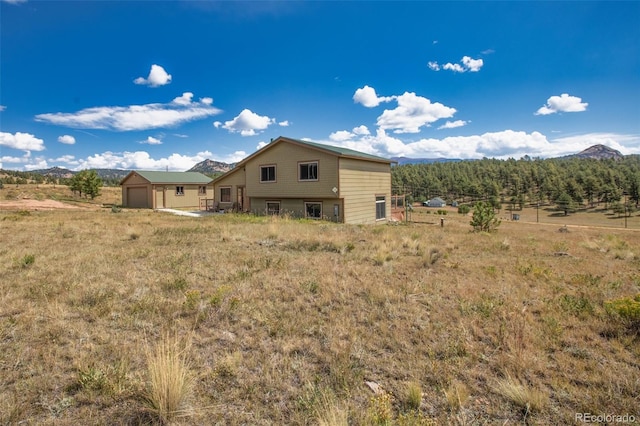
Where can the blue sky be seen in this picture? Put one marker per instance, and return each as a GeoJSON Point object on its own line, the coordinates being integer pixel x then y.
{"type": "Point", "coordinates": [164, 85]}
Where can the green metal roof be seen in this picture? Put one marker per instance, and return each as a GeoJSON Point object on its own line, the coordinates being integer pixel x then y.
{"type": "Point", "coordinates": [346, 152]}
{"type": "Point", "coordinates": [174, 177]}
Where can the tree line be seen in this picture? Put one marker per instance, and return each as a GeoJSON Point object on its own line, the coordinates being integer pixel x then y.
{"type": "Point", "coordinates": [569, 182]}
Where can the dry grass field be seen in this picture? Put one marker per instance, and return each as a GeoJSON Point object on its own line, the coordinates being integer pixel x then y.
{"type": "Point", "coordinates": [138, 317]}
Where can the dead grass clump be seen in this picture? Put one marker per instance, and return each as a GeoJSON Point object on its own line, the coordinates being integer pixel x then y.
{"type": "Point", "coordinates": [525, 397]}
{"type": "Point", "coordinates": [170, 379]}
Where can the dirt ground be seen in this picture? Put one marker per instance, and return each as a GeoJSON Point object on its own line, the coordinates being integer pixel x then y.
{"type": "Point", "coordinates": [28, 204]}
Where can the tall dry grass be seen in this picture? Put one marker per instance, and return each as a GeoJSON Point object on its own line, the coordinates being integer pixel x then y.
{"type": "Point", "coordinates": [289, 318]}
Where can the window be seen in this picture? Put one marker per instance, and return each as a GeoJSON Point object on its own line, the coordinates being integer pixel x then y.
{"type": "Point", "coordinates": [308, 171]}
{"type": "Point", "coordinates": [313, 210]}
{"type": "Point", "coordinates": [202, 190]}
{"type": "Point", "coordinates": [381, 206]}
{"type": "Point", "coordinates": [273, 207]}
{"type": "Point", "coordinates": [267, 173]}
{"type": "Point", "coordinates": [179, 190]}
{"type": "Point", "coordinates": [225, 194]}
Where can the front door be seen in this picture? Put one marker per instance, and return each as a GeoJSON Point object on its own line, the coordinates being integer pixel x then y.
{"type": "Point", "coordinates": [159, 197]}
{"type": "Point", "coordinates": [240, 198]}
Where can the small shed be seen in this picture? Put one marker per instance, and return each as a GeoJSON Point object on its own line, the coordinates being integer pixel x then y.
{"type": "Point", "coordinates": [157, 190]}
{"type": "Point", "coordinates": [436, 202]}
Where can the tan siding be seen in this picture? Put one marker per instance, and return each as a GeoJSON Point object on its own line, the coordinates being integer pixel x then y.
{"type": "Point", "coordinates": [190, 199]}
{"type": "Point", "coordinates": [233, 180]}
{"type": "Point", "coordinates": [286, 157]}
{"type": "Point", "coordinates": [295, 207]}
{"type": "Point", "coordinates": [360, 183]}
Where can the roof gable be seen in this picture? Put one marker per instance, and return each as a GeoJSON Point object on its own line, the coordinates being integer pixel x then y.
{"type": "Point", "coordinates": [157, 177]}
{"type": "Point", "coordinates": [332, 150]}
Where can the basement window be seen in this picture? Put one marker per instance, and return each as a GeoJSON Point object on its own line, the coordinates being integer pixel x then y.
{"type": "Point", "coordinates": [313, 210]}
{"type": "Point", "coordinates": [179, 190]}
{"type": "Point", "coordinates": [273, 207]}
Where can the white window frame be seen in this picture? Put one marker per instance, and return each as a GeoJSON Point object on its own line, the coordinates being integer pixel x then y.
{"type": "Point", "coordinates": [306, 212]}
{"type": "Point", "coordinates": [269, 211]}
{"type": "Point", "coordinates": [381, 200]}
{"type": "Point", "coordinates": [307, 163]}
{"type": "Point", "coordinates": [275, 173]}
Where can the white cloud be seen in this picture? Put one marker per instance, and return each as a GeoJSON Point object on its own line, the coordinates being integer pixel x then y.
{"type": "Point", "coordinates": [23, 141]}
{"type": "Point", "coordinates": [502, 145]}
{"type": "Point", "coordinates": [2, 108]}
{"type": "Point", "coordinates": [151, 141]}
{"type": "Point", "coordinates": [14, 1]}
{"type": "Point", "coordinates": [141, 160]}
{"type": "Point", "coordinates": [157, 77]}
{"type": "Point", "coordinates": [341, 135]}
{"type": "Point", "coordinates": [134, 117]}
{"type": "Point", "coordinates": [412, 113]}
{"type": "Point", "coordinates": [367, 96]}
{"type": "Point", "coordinates": [434, 66]}
{"type": "Point", "coordinates": [67, 139]}
{"type": "Point", "coordinates": [185, 99]}
{"type": "Point", "coordinates": [453, 67]}
{"type": "Point", "coordinates": [472, 65]}
{"type": "Point", "coordinates": [247, 123]}
{"type": "Point", "coordinates": [467, 64]}
{"type": "Point", "coordinates": [562, 103]}
{"type": "Point", "coordinates": [206, 101]}
{"type": "Point", "coordinates": [453, 124]}
{"type": "Point", "coordinates": [361, 130]}
{"type": "Point", "coordinates": [284, 123]}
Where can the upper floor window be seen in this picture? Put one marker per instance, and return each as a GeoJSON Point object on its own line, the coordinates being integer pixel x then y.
{"type": "Point", "coordinates": [179, 190]}
{"type": "Point", "coordinates": [267, 173]}
{"type": "Point", "coordinates": [308, 171]}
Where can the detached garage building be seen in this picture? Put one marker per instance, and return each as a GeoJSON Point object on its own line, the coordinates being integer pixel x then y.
{"type": "Point", "coordinates": [157, 190]}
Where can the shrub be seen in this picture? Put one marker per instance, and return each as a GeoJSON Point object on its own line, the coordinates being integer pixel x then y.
{"type": "Point", "coordinates": [170, 379]}
{"type": "Point", "coordinates": [464, 209]}
{"type": "Point", "coordinates": [626, 308]}
{"type": "Point", "coordinates": [484, 217]}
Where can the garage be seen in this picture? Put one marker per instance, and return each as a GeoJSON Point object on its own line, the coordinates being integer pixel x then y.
{"type": "Point", "coordinates": [137, 197]}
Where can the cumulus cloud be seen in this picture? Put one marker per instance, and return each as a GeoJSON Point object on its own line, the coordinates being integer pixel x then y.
{"type": "Point", "coordinates": [67, 139]}
{"type": "Point", "coordinates": [502, 145]}
{"type": "Point", "coordinates": [157, 77]}
{"type": "Point", "coordinates": [341, 135]}
{"type": "Point", "coordinates": [367, 96]}
{"type": "Point", "coordinates": [23, 141]}
{"type": "Point", "coordinates": [467, 63]}
{"type": "Point", "coordinates": [247, 123]}
{"type": "Point", "coordinates": [361, 130]}
{"type": "Point", "coordinates": [151, 141]}
{"type": "Point", "coordinates": [284, 123]}
{"type": "Point", "coordinates": [453, 124]}
{"type": "Point", "coordinates": [141, 160]}
{"type": "Point", "coordinates": [134, 117]}
{"type": "Point", "coordinates": [412, 113]}
{"type": "Point", "coordinates": [562, 103]}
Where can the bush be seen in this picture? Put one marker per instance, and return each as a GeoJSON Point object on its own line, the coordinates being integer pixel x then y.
{"type": "Point", "coordinates": [464, 209]}
{"type": "Point", "coordinates": [484, 217]}
{"type": "Point", "coordinates": [627, 309]}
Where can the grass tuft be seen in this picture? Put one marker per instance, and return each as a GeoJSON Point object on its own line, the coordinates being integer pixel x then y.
{"type": "Point", "coordinates": [171, 381]}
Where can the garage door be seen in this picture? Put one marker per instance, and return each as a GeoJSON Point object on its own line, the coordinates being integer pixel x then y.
{"type": "Point", "coordinates": [137, 198]}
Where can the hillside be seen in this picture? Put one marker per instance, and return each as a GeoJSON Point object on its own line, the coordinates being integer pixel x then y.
{"type": "Point", "coordinates": [598, 152]}
{"type": "Point", "coordinates": [211, 167]}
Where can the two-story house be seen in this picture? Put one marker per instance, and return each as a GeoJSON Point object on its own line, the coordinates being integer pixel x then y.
{"type": "Point", "coordinates": [311, 180]}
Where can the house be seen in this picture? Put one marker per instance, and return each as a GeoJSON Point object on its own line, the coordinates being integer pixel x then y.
{"type": "Point", "coordinates": [435, 202]}
{"type": "Point", "coordinates": [156, 190]}
{"type": "Point", "coordinates": [310, 180]}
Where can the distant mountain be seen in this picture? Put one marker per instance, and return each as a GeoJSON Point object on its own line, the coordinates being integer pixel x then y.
{"type": "Point", "coordinates": [210, 167]}
{"type": "Point", "coordinates": [116, 174]}
{"type": "Point", "coordinates": [404, 160]}
{"type": "Point", "coordinates": [598, 152]}
{"type": "Point", "coordinates": [56, 172]}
